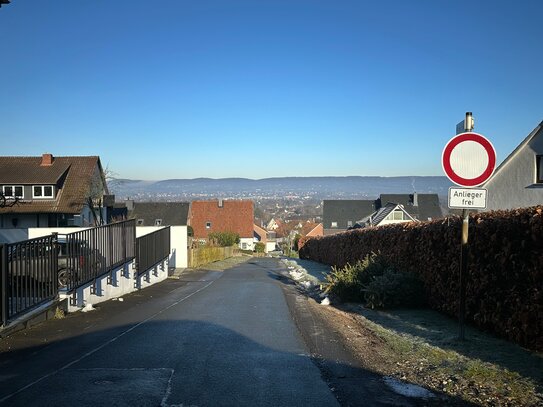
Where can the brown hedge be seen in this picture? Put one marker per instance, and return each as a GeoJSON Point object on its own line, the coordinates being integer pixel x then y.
{"type": "Point", "coordinates": [505, 271]}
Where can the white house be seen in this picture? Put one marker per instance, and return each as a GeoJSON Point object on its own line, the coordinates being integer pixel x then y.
{"type": "Point", "coordinates": [518, 181]}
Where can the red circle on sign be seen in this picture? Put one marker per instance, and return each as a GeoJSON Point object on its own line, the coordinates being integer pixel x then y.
{"type": "Point", "coordinates": [446, 159]}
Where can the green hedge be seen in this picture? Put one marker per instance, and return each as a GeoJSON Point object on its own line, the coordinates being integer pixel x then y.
{"type": "Point", "coordinates": [505, 272]}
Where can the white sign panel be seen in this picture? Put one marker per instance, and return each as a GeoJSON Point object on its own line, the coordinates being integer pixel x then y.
{"type": "Point", "coordinates": [467, 198]}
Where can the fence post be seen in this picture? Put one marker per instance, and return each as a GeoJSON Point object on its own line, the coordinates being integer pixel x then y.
{"type": "Point", "coordinates": [4, 283]}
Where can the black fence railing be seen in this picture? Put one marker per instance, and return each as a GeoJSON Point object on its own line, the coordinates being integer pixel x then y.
{"type": "Point", "coordinates": [89, 254]}
{"type": "Point", "coordinates": [151, 249]}
{"type": "Point", "coordinates": [28, 275]}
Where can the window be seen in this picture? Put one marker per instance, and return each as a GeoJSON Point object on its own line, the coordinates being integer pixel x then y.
{"type": "Point", "coordinates": [208, 225]}
{"type": "Point", "coordinates": [349, 223]}
{"type": "Point", "coordinates": [42, 191]}
{"type": "Point", "coordinates": [158, 222]}
{"type": "Point", "coordinates": [334, 224]}
{"type": "Point", "coordinates": [12, 191]}
{"type": "Point", "coordinates": [539, 169]}
{"type": "Point", "coordinates": [139, 222]}
{"type": "Point", "coordinates": [244, 246]}
{"type": "Point", "coordinates": [396, 215]}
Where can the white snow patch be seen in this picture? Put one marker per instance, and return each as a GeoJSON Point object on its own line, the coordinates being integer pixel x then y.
{"type": "Point", "coordinates": [326, 301]}
{"type": "Point", "coordinates": [408, 389]}
{"type": "Point", "coordinates": [88, 308]}
{"type": "Point", "coordinates": [121, 299]}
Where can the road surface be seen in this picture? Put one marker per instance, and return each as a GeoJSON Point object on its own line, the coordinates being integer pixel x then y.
{"type": "Point", "coordinates": [210, 339]}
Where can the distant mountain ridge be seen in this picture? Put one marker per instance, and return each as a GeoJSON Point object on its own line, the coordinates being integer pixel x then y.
{"type": "Point", "coordinates": [350, 187]}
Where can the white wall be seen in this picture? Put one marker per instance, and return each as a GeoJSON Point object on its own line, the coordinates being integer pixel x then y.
{"type": "Point", "coordinates": [249, 241]}
{"type": "Point", "coordinates": [178, 241]}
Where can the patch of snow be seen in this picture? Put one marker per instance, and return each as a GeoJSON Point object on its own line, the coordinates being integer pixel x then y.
{"type": "Point", "coordinates": [326, 301]}
{"type": "Point", "coordinates": [88, 308]}
{"type": "Point", "coordinates": [121, 299]}
{"type": "Point", "coordinates": [408, 389]}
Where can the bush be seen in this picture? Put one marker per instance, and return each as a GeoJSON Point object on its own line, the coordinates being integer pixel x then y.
{"type": "Point", "coordinates": [394, 289]}
{"type": "Point", "coordinates": [260, 247]}
{"type": "Point", "coordinates": [223, 239]}
{"type": "Point", "coordinates": [348, 283]}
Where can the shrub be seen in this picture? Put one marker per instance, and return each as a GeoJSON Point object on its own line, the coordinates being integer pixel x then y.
{"type": "Point", "coordinates": [348, 282]}
{"type": "Point", "coordinates": [223, 239]}
{"type": "Point", "coordinates": [394, 289]}
{"type": "Point", "coordinates": [260, 247]}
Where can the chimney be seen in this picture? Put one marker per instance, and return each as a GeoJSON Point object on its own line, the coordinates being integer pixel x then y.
{"type": "Point", "coordinates": [415, 199]}
{"type": "Point", "coordinates": [221, 203]}
{"type": "Point", "coordinates": [47, 159]}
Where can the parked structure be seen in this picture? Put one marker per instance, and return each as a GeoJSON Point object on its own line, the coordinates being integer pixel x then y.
{"type": "Point", "coordinates": [341, 215]}
{"type": "Point", "coordinates": [52, 191]}
{"type": "Point", "coordinates": [518, 181]}
{"type": "Point", "coordinates": [235, 216]}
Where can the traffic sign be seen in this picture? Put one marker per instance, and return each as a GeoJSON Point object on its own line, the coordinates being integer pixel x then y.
{"type": "Point", "coordinates": [469, 159]}
{"type": "Point", "coordinates": [467, 198]}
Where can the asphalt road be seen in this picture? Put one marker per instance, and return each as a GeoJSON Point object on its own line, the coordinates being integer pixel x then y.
{"type": "Point", "coordinates": [243, 337]}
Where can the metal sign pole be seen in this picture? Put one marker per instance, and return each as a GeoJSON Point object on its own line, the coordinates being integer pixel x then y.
{"type": "Point", "coordinates": [468, 126]}
{"type": "Point", "coordinates": [463, 272]}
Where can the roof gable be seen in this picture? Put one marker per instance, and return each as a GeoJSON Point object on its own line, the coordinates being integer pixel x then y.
{"type": "Point", "coordinates": [73, 177]}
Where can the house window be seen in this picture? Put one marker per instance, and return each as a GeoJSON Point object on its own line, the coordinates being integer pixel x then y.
{"type": "Point", "coordinates": [244, 246]}
{"type": "Point", "coordinates": [158, 222]}
{"type": "Point", "coordinates": [12, 191]}
{"type": "Point", "coordinates": [349, 223]}
{"type": "Point", "coordinates": [334, 224]}
{"type": "Point", "coordinates": [42, 191]}
{"type": "Point", "coordinates": [208, 225]}
{"type": "Point", "coordinates": [539, 169]}
{"type": "Point", "coordinates": [139, 222]}
{"type": "Point", "coordinates": [396, 215]}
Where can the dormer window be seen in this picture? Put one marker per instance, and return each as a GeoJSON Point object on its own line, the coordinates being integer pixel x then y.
{"type": "Point", "coordinates": [13, 191]}
{"type": "Point", "coordinates": [539, 169]}
{"type": "Point", "coordinates": [42, 191]}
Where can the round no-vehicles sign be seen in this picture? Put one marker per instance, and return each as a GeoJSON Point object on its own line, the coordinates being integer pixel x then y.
{"type": "Point", "coordinates": [469, 159]}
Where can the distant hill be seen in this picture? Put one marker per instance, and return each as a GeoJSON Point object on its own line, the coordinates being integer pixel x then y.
{"type": "Point", "coordinates": [296, 187]}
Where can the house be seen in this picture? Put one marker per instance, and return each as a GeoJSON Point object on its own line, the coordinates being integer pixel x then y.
{"type": "Point", "coordinates": [386, 215]}
{"type": "Point", "coordinates": [50, 191]}
{"type": "Point", "coordinates": [268, 238]}
{"type": "Point", "coordinates": [518, 180]}
{"type": "Point", "coordinates": [423, 207]}
{"type": "Point", "coordinates": [272, 224]}
{"type": "Point", "coordinates": [341, 215]}
{"type": "Point", "coordinates": [220, 215]}
{"type": "Point", "coordinates": [159, 213]}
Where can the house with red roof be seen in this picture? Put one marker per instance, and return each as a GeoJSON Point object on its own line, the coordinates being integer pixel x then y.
{"type": "Point", "coordinates": [235, 216]}
{"type": "Point", "coordinates": [50, 191]}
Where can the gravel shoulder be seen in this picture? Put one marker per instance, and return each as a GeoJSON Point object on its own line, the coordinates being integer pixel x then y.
{"type": "Point", "coordinates": [420, 346]}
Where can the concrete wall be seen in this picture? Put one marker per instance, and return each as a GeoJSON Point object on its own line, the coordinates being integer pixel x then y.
{"type": "Point", "coordinates": [124, 280]}
{"type": "Point", "coordinates": [513, 186]}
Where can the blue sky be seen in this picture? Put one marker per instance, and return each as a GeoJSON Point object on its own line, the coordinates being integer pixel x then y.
{"type": "Point", "coordinates": [186, 89]}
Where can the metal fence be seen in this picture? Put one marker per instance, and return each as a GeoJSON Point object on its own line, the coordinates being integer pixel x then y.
{"type": "Point", "coordinates": [151, 249]}
{"type": "Point", "coordinates": [89, 254]}
{"type": "Point", "coordinates": [28, 275]}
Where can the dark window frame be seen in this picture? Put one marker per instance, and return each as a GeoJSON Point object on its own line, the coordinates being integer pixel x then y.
{"type": "Point", "coordinates": [539, 169]}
